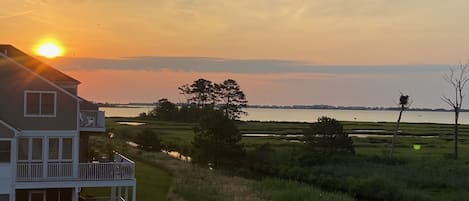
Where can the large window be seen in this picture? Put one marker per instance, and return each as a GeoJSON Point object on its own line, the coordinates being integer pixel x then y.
{"type": "Point", "coordinates": [67, 149]}
{"type": "Point", "coordinates": [36, 151]}
{"type": "Point", "coordinates": [40, 103]}
{"type": "Point", "coordinates": [23, 149]}
{"type": "Point", "coordinates": [54, 147]}
{"type": "Point", "coordinates": [60, 149]}
{"type": "Point", "coordinates": [30, 149]}
{"type": "Point", "coordinates": [5, 151]}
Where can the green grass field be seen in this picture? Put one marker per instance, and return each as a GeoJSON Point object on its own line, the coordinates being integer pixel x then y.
{"type": "Point", "coordinates": [426, 173]}
{"type": "Point", "coordinates": [439, 145]}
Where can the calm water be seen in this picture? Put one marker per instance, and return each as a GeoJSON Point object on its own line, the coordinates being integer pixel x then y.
{"type": "Point", "coordinates": [310, 115]}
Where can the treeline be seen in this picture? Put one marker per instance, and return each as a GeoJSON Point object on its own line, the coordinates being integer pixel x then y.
{"type": "Point", "coordinates": [202, 96]}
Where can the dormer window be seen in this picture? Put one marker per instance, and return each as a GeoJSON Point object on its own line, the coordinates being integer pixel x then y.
{"type": "Point", "coordinates": [40, 103]}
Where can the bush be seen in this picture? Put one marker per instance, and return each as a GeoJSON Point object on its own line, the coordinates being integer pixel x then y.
{"type": "Point", "coordinates": [327, 136]}
{"type": "Point", "coordinates": [148, 140]}
{"type": "Point", "coordinates": [216, 141]}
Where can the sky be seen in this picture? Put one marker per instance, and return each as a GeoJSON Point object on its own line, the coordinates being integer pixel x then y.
{"type": "Point", "coordinates": [281, 52]}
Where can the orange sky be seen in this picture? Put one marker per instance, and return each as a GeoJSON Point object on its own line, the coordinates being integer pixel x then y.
{"type": "Point", "coordinates": [327, 32]}
{"type": "Point", "coordinates": [358, 32]}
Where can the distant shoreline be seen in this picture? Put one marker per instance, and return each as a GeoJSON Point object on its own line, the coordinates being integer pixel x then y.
{"type": "Point", "coordinates": [317, 107]}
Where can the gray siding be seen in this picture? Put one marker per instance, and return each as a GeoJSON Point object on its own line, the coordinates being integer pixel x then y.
{"type": "Point", "coordinates": [13, 82]}
{"type": "Point", "coordinates": [5, 132]}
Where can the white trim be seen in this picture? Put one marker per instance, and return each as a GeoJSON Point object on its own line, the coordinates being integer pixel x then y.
{"type": "Point", "coordinates": [46, 133]}
{"type": "Point", "coordinates": [9, 127]}
{"type": "Point", "coordinates": [71, 184]}
{"type": "Point", "coordinates": [41, 77]}
{"type": "Point", "coordinates": [25, 93]}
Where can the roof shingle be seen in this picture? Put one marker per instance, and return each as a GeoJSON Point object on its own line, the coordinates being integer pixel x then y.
{"type": "Point", "coordinates": [37, 66]}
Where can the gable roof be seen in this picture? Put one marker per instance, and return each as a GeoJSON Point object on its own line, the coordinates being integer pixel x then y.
{"type": "Point", "coordinates": [56, 85]}
{"type": "Point", "coordinates": [37, 66]}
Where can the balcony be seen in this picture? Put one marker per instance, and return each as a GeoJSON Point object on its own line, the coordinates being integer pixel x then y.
{"type": "Point", "coordinates": [92, 120]}
{"type": "Point", "coordinates": [121, 168]}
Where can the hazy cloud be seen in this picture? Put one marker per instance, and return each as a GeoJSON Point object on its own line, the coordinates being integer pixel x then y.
{"type": "Point", "coordinates": [16, 14]}
{"type": "Point", "coordinates": [205, 64]}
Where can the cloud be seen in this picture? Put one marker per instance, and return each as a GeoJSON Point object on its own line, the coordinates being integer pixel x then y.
{"type": "Point", "coordinates": [16, 14]}
{"type": "Point", "coordinates": [252, 66]}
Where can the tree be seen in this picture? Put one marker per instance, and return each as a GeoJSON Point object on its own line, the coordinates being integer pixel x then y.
{"type": "Point", "coordinates": [457, 78]}
{"type": "Point", "coordinates": [216, 141]}
{"type": "Point", "coordinates": [403, 102]}
{"type": "Point", "coordinates": [148, 140]}
{"type": "Point", "coordinates": [326, 136]}
{"type": "Point", "coordinates": [185, 90]}
{"type": "Point", "coordinates": [232, 97]}
{"type": "Point", "coordinates": [165, 110]}
{"type": "Point", "coordinates": [203, 92]}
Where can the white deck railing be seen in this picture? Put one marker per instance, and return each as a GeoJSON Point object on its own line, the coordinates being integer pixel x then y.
{"type": "Point", "coordinates": [120, 169]}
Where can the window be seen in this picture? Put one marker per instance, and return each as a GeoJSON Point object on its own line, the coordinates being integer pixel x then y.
{"type": "Point", "coordinates": [60, 149]}
{"type": "Point", "coordinates": [23, 149]}
{"type": "Point", "coordinates": [47, 104]}
{"type": "Point", "coordinates": [5, 153]}
{"type": "Point", "coordinates": [4, 197]}
{"type": "Point", "coordinates": [32, 103]}
{"type": "Point", "coordinates": [54, 149]}
{"type": "Point", "coordinates": [40, 103]}
{"type": "Point", "coordinates": [67, 148]}
{"type": "Point", "coordinates": [36, 149]}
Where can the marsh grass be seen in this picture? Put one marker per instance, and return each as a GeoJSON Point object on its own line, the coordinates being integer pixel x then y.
{"type": "Point", "coordinates": [424, 174]}
{"type": "Point", "coordinates": [281, 190]}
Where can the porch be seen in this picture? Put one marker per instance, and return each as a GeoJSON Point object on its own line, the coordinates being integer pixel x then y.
{"type": "Point", "coordinates": [121, 168]}
{"type": "Point", "coordinates": [92, 120]}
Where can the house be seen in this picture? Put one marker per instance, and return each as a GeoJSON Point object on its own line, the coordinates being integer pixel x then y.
{"type": "Point", "coordinates": [44, 132]}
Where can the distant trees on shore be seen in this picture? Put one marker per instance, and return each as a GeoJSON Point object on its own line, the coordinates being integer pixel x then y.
{"type": "Point", "coordinates": [202, 96]}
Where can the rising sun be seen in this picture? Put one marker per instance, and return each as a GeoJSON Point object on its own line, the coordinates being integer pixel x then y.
{"type": "Point", "coordinates": [49, 49]}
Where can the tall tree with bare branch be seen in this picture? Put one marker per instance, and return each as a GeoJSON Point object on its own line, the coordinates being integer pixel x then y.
{"type": "Point", "coordinates": [457, 78]}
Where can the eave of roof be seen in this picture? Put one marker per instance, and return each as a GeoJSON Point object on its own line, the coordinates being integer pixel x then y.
{"type": "Point", "coordinates": [41, 77]}
{"type": "Point", "coordinates": [37, 66]}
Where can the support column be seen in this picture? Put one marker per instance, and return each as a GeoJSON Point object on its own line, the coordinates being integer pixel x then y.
{"type": "Point", "coordinates": [76, 155]}
{"type": "Point", "coordinates": [134, 193]}
{"type": "Point", "coordinates": [76, 194]}
{"type": "Point", "coordinates": [113, 193]}
{"type": "Point", "coordinates": [126, 193]}
{"type": "Point", "coordinates": [45, 156]}
{"type": "Point", "coordinates": [119, 194]}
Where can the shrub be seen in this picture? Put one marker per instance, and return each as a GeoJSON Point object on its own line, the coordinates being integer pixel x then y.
{"type": "Point", "coordinates": [148, 140]}
{"type": "Point", "coordinates": [327, 136]}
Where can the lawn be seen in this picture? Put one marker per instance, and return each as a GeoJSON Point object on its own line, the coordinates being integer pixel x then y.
{"type": "Point", "coordinates": [152, 184]}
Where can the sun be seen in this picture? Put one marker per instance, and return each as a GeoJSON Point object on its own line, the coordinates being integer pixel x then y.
{"type": "Point", "coordinates": [49, 49]}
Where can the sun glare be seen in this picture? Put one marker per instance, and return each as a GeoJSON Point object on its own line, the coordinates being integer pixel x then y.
{"type": "Point", "coordinates": [49, 49]}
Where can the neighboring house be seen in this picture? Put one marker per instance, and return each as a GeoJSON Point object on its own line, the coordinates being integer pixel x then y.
{"type": "Point", "coordinates": [44, 131]}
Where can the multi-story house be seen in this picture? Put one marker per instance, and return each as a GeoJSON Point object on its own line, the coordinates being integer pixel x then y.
{"type": "Point", "coordinates": [44, 131]}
